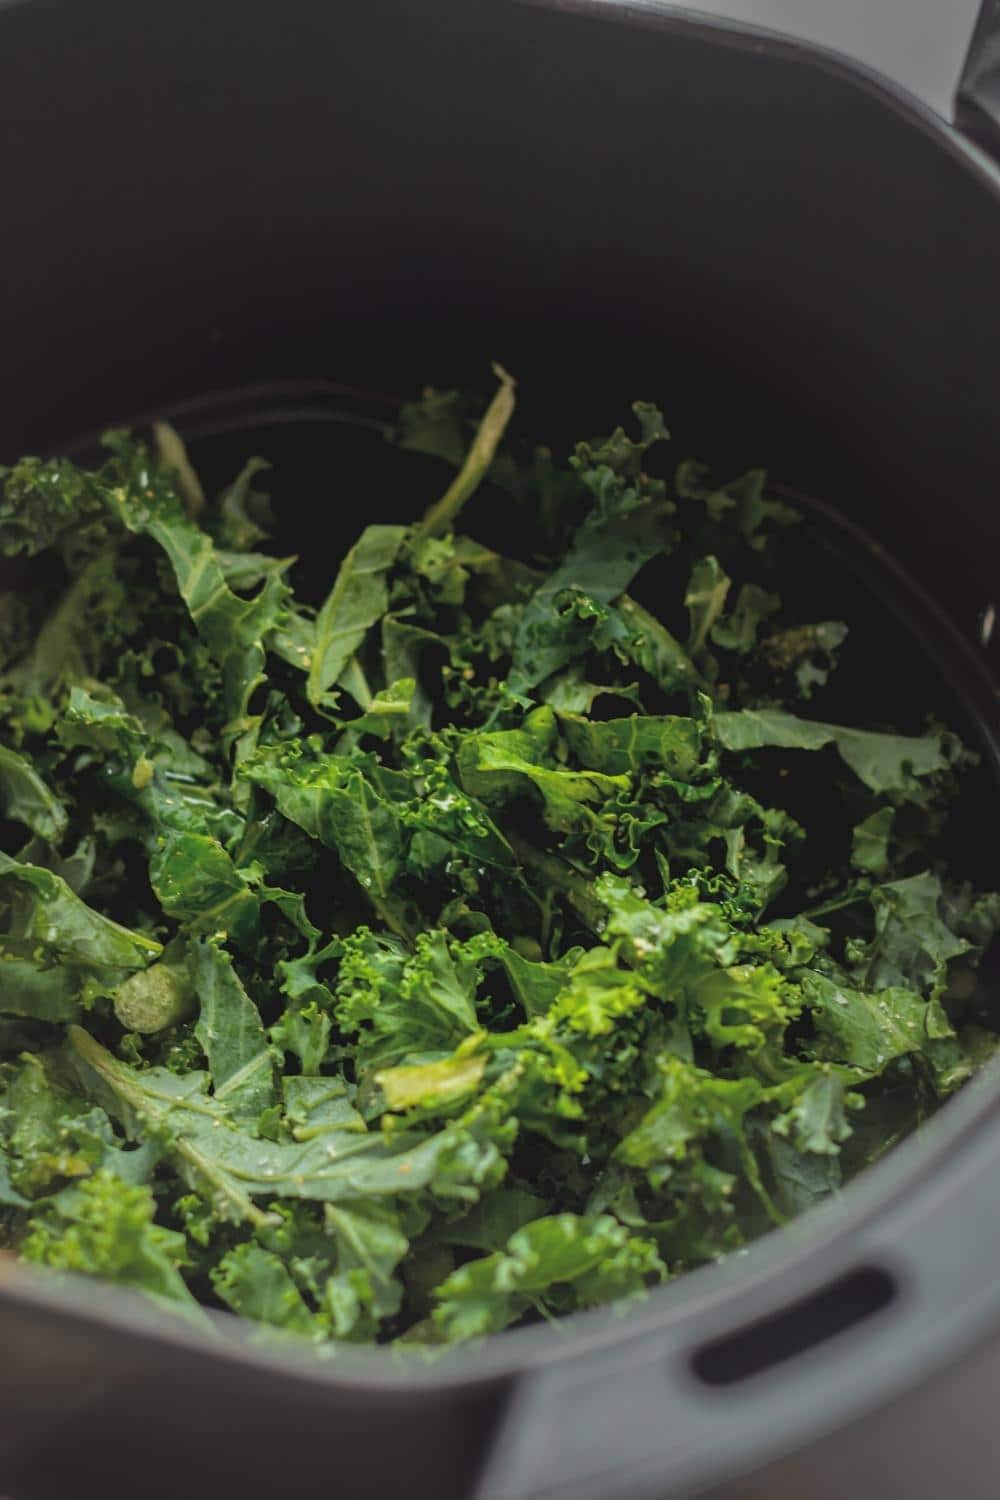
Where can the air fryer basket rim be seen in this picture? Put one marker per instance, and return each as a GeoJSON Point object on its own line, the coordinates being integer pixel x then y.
{"type": "Point", "coordinates": [980, 154]}
{"type": "Point", "coordinates": [787, 1263]}
{"type": "Point", "coordinates": [534, 1365]}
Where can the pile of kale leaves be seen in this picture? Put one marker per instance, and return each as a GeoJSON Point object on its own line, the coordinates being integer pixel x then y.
{"type": "Point", "coordinates": [408, 966]}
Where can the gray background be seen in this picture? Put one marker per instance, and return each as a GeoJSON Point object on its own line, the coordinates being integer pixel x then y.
{"type": "Point", "coordinates": [919, 43]}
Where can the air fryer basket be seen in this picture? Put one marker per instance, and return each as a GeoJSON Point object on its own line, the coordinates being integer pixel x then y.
{"type": "Point", "coordinates": [617, 200]}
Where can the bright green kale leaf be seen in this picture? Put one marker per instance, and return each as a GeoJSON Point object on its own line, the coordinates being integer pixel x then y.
{"type": "Point", "coordinates": [508, 763]}
{"type": "Point", "coordinates": [685, 956]}
{"type": "Point", "coordinates": [357, 601]}
{"type": "Point", "coordinates": [564, 1261]}
{"type": "Point", "coordinates": [404, 1006]}
{"type": "Point", "coordinates": [104, 1227]}
{"type": "Point", "coordinates": [332, 800]}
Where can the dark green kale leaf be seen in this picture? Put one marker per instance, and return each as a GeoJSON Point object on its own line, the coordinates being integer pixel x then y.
{"type": "Point", "coordinates": [628, 525]}
{"type": "Point", "coordinates": [911, 943]}
{"type": "Point", "coordinates": [886, 763]}
{"type": "Point", "coordinates": [27, 799]}
{"type": "Point", "coordinates": [57, 952]}
{"type": "Point", "coordinates": [45, 504]}
{"type": "Point", "coordinates": [867, 1029]}
{"type": "Point", "coordinates": [233, 628]}
{"type": "Point", "coordinates": [231, 1032]}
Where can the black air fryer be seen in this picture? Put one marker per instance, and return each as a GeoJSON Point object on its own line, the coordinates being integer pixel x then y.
{"type": "Point", "coordinates": [229, 211]}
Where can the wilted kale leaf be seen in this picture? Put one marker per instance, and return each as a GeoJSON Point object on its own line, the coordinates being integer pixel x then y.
{"type": "Point", "coordinates": [442, 953]}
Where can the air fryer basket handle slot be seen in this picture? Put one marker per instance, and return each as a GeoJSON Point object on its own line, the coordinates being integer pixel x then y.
{"type": "Point", "coordinates": [977, 103]}
{"type": "Point", "coordinates": [795, 1329]}
{"type": "Point", "coordinates": [640, 1418]}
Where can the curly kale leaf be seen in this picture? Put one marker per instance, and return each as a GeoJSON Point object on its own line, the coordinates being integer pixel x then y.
{"type": "Point", "coordinates": [105, 1227]}
{"type": "Point", "coordinates": [257, 1284]}
{"type": "Point", "coordinates": [408, 1006]}
{"type": "Point", "coordinates": [559, 1263]}
{"type": "Point", "coordinates": [47, 503]}
{"type": "Point", "coordinates": [868, 1029]}
{"type": "Point", "coordinates": [233, 628]}
{"type": "Point", "coordinates": [912, 944]}
{"type": "Point", "coordinates": [627, 526]}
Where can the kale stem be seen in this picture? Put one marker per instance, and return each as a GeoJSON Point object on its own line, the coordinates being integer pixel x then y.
{"type": "Point", "coordinates": [554, 871]}
{"type": "Point", "coordinates": [156, 1111]}
{"type": "Point", "coordinates": [752, 1170]}
{"type": "Point", "coordinates": [442, 514]}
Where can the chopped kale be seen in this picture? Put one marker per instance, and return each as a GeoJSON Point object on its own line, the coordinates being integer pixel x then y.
{"type": "Point", "coordinates": [474, 944]}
